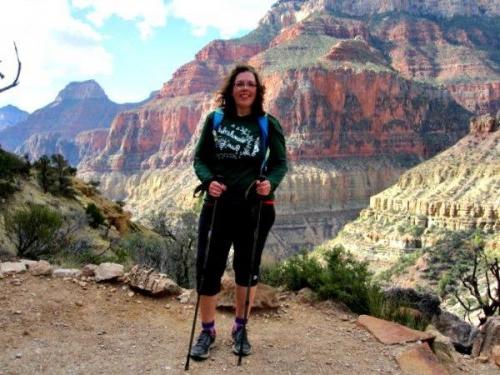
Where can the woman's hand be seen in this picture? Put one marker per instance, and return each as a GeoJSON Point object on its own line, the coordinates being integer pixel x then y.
{"type": "Point", "coordinates": [263, 187]}
{"type": "Point", "coordinates": [215, 189]}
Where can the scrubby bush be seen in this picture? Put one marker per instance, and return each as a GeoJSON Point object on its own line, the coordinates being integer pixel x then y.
{"type": "Point", "coordinates": [397, 311]}
{"type": "Point", "coordinates": [342, 278]}
{"type": "Point", "coordinates": [94, 215]}
{"type": "Point", "coordinates": [11, 167]}
{"type": "Point", "coordinates": [62, 172]}
{"type": "Point", "coordinates": [54, 174]}
{"type": "Point", "coordinates": [179, 231]}
{"type": "Point", "coordinates": [297, 272]}
{"type": "Point", "coordinates": [44, 172]}
{"type": "Point", "coordinates": [33, 230]}
{"type": "Point", "coordinates": [7, 188]}
{"type": "Point", "coordinates": [411, 229]}
{"type": "Point", "coordinates": [156, 252]}
{"type": "Point", "coordinates": [346, 279]}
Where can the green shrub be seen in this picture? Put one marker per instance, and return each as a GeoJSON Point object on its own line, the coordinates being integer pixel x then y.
{"type": "Point", "coordinates": [411, 229]}
{"type": "Point", "coordinates": [345, 279]}
{"type": "Point", "coordinates": [94, 215]}
{"type": "Point", "coordinates": [397, 311]}
{"type": "Point", "coordinates": [54, 175]}
{"type": "Point", "coordinates": [156, 252]}
{"type": "Point", "coordinates": [178, 228]}
{"type": "Point", "coordinates": [12, 165]}
{"type": "Point", "coordinates": [297, 272]}
{"type": "Point", "coordinates": [33, 230]}
{"type": "Point", "coordinates": [405, 260]}
{"type": "Point", "coordinates": [342, 278]}
{"type": "Point", "coordinates": [7, 189]}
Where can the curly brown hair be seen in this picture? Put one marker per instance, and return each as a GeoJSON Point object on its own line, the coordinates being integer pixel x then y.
{"type": "Point", "coordinates": [225, 98]}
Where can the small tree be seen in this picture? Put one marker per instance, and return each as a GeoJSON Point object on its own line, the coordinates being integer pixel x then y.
{"type": "Point", "coordinates": [94, 215]}
{"type": "Point", "coordinates": [11, 167]}
{"type": "Point", "coordinates": [488, 301]}
{"type": "Point", "coordinates": [33, 230]}
{"type": "Point", "coordinates": [62, 171]}
{"type": "Point", "coordinates": [180, 234]}
{"type": "Point", "coordinates": [44, 173]}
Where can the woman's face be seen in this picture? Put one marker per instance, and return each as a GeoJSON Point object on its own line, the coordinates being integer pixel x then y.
{"type": "Point", "coordinates": [244, 92]}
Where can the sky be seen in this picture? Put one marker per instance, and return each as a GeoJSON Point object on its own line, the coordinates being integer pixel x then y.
{"type": "Point", "coordinates": [130, 47]}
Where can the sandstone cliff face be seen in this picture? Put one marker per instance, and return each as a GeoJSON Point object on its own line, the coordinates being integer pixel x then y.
{"type": "Point", "coordinates": [79, 107]}
{"type": "Point", "coordinates": [90, 143]}
{"type": "Point", "coordinates": [455, 190]}
{"type": "Point", "coordinates": [459, 54]}
{"type": "Point", "coordinates": [49, 143]}
{"type": "Point", "coordinates": [354, 119]}
{"type": "Point", "coordinates": [447, 8]}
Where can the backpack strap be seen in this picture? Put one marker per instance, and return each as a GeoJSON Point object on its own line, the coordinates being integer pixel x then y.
{"type": "Point", "coordinates": [217, 119]}
{"type": "Point", "coordinates": [264, 132]}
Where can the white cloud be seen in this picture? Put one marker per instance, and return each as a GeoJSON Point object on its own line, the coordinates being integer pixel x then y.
{"type": "Point", "coordinates": [54, 49]}
{"type": "Point", "coordinates": [227, 16]}
{"type": "Point", "coordinates": [148, 14]}
{"type": "Point", "coordinates": [61, 41]}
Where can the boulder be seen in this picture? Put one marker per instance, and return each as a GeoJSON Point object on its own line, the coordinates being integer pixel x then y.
{"type": "Point", "coordinates": [420, 360]}
{"type": "Point", "coordinates": [108, 271]}
{"type": "Point", "coordinates": [155, 283]}
{"type": "Point", "coordinates": [495, 355]}
{"type": "Point", "coordinates": [10, 268]}
{"type": "Point", "coordinates": [40, 268]}
{"type": "Point", "coordinates": [487, 339]}
{"type": "Point", "coordinates": [460, 332]}
{"type": "Point", "coordinates": [441, 345]}
{"type": "Point", "coordinates": [66, 272]}
{"type": "Point", "coordinates": [89, 270]}
{"type": "Point", "coordinates": [28, 262]}
{"type": "Point", "coordinates": [391, 333]}
{"type": "Point", "coordinates": [306, 295]}
{"type": "Point", "coordinates": [265, 298]}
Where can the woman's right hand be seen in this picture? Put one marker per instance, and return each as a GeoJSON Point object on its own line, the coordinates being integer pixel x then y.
{"type": "Point", "coordinates": [215, 189]}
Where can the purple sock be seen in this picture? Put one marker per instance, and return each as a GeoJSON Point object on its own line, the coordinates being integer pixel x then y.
{"type": "Point", "coordinates": [209, 327]}
{"type": "Point", "coordinates": [238, 323]}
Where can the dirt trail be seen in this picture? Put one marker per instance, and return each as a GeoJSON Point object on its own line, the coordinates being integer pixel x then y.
{"type": "Point", "coordinates": [55, 326]}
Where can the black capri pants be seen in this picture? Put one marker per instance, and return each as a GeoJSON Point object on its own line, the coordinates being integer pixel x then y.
{"type": "Point", "coordinates": [234, 224]}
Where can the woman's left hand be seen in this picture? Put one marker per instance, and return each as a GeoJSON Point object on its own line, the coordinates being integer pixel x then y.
{"type": "Point", "coordinates": [263, 187]}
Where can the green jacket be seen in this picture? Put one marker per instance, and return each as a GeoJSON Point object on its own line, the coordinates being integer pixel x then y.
{"type": "Point", "coordinates": [233, 152]}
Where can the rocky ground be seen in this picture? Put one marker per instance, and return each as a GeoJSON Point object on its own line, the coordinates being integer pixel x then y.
{"type": "Point", "coordinates": [53, 325]}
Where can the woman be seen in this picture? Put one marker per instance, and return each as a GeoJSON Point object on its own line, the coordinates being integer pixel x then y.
{"type": "Point", "coordinates": [230, 160]}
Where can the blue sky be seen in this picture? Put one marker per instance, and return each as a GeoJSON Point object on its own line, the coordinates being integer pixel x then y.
{"type": "Point", "coordinates": [130, 47]}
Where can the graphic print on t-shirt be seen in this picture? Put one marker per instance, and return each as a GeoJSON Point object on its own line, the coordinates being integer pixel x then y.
{"type": "Point", "coordinates": [235, 142]}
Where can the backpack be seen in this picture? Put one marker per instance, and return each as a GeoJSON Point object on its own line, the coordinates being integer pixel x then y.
{"type": "Point", "coordinates": [264, 133]}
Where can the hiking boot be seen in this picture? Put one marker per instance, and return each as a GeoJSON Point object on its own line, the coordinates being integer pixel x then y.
{"type": "Point", "coordinates": [240, 340]}
{"type": "Point", "coordinates": [201, 349]}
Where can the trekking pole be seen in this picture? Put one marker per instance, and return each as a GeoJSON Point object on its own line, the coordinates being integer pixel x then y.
{"type": "Point", "coordinates": [202, 279]}
{"type": "Point", "coordinates": [252, 264]}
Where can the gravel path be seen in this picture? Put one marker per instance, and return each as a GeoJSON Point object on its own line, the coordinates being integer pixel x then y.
{"type": "Point", "coordinates": [55, 326]}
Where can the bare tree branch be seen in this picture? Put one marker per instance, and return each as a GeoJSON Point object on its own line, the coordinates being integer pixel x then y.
{"type": "Point", "coordinates": [16, 80]}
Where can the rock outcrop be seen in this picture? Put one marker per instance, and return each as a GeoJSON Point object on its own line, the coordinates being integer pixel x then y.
{"type": "Point", "coordinates": [360, 102]}
{"type": "Point", "coordinates": [147, 280]}
{"type": "Point", "coordinates": [455, 190]}
{"type": "Point", "coordinates": [487, 342]}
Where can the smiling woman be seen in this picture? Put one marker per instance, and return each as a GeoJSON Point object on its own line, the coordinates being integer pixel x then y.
{"type": "Point", "coordinates": [240, 161]}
